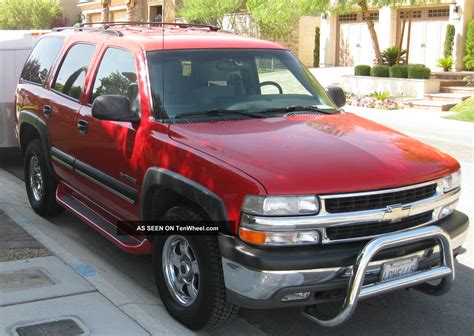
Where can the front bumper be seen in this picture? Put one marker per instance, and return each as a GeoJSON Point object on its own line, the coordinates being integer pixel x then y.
{"type": "Point", "coordinates": [262, 277]}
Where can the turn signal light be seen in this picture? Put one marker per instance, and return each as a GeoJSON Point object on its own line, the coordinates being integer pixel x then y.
{"type": "Point", "coordinates": [279, 238]}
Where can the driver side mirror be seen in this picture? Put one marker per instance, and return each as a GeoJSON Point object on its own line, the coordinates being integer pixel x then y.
{"type": "Point", "coordinates": [337, 95]}
{"type": "Point", "coordinates": [114, 108]}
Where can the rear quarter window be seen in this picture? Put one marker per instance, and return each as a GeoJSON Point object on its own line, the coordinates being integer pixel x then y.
{"type": "Point", "coordinates": [41, 59]}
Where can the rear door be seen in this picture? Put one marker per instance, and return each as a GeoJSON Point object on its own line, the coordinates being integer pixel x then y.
{"type": "Point", "coordinates": [63, 106]}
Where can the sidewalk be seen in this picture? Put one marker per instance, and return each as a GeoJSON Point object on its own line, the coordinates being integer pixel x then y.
{"type": "Point", "coordinates": [61, 269]}
{"type": "Point", "coordinates": [41, 295]}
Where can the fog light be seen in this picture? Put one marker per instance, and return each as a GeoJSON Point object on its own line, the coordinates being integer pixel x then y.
{"type": "Point", "coordinates": [295, 296]}
{"type": "Point", "coordinates": [447, 210]}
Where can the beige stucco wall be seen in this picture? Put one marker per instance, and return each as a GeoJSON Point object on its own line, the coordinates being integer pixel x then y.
{"type": "Point", "coordinates": [328, 41]}
{"type": "Point", "coordinates": [118, 15]}
{"type": "Point", "coordinates": [141, 9]}
{"type": "Point", "coordinates": [465, 13]}
{"type": "Point", "coordinates": [307, 27]}
{"type": "Point", "coordinates": [71, 10]}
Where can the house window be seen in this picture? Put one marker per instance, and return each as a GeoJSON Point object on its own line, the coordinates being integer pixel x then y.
{"type": "Point", "coordinates": [374, 16]}
{"type": "Point", "coordinates": [439, 12]}
{"type": "Point", "coordinates": [350, 17]}
{"type": "Point", "coordinates": [416, 14]}
{"type": "Point", "coordinates": [156, 13]}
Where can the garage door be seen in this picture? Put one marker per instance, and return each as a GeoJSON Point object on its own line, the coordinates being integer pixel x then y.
{"type": "Point", "coordinates": [428, 32]}
{"type": "Point", "coordinates": [355, 44]}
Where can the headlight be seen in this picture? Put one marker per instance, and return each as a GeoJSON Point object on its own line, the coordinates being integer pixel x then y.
{"type": "Point", "coordinates": [281, 205]}
{"type": "Point", "coordinates": [452, 181]}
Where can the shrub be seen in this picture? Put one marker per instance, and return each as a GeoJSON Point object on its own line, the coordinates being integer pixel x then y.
{"type": "Point", "coordinates": [446, 63]}
{"type": "Point", "coordinates": [398, 71]}
{"type": "Point", "coordinates": [418, 72]}
{"type": "Point", "coordinates": [317, 34]}
{"type": "Point", "coordinates": [449, 41]}
{"type": "Point", "coordinates": [380, 71]}
{"type": "Point", "coordinates": [362, 70]}
{"type": "Point", "coordinates": [382, 95]}
{"type": "Point", "coordinates": [389, 56]}
{"type": "Point", "coordinates": [469, 48]}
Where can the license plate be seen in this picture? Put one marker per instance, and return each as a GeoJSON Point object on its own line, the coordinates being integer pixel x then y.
{"type": "Point", "coordinates": [398, 269]}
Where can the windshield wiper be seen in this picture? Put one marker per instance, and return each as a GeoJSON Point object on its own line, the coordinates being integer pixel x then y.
{"type": "Point", "coordinates": [219, 113]}
{"type": "Point", "coordinates": [294, 108]}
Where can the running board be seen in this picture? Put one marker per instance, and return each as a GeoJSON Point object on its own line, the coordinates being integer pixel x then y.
{"type": "Point", "coordinates": [93, 219]}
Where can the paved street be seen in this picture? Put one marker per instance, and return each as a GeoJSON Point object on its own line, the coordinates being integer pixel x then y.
{"type": "Point", "coordinates": [127, 282]}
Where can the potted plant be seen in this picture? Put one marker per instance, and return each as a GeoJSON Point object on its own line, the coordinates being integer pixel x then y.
{"type": "Point", "coordinates": [446, 63]}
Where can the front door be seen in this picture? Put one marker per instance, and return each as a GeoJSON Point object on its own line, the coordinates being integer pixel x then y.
{"type": "Point", "coordinates": [104, 159]}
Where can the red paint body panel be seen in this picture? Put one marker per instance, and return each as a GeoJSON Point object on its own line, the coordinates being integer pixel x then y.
{"type": "Point", "coordinates": [319, 155]}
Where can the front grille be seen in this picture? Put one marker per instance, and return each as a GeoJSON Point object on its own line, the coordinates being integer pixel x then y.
{"type": "Point", "coordinates": [373, 229]}
{"type": "Point", "coordinates": [379, 201]}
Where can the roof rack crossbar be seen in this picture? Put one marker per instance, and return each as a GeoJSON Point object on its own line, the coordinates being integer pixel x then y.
{"type": "Point", "coordinates": [107, 24]}
{"type": "Point", "coordinates": [90, 29]}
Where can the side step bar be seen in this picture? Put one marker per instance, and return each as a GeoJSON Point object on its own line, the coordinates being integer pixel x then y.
{"type": "Point", "coordinates": [103, 226]}
{"type": "Point", "coordinates": [356, 290]}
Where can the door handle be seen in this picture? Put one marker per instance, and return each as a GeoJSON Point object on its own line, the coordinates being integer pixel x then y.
{"type": "Point", "coordinates": [82, 126]}
{"type": "Point", "coordinates": [47, 110]}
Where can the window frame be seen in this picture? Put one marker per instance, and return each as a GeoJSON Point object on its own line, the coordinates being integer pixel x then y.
{"type": "Point", "coordinates": [97, 68]}
{"type": "Point", "coordinates": [52, 66]}
{"type": "Point", "coordinates": [60, 65]}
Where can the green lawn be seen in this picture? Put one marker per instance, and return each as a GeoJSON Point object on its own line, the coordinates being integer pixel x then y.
{"type": "Point", "coordinates": [464, 111]}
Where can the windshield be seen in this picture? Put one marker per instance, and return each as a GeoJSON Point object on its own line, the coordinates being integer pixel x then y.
{"type": "Point", "coordinates": [252, 80]}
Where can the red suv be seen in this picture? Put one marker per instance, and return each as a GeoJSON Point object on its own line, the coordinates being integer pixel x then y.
{"type": "Point", "coordinates": [150, 124]}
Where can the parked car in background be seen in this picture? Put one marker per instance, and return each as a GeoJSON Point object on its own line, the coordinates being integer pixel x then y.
{"type": "Point", "coordinates": [15, 45]}
{"type": "Point", "coordinates": [133, 127]}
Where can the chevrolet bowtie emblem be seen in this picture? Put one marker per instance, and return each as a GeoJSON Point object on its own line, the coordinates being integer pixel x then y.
{"type": "Point", "coordinates": [396, 213]}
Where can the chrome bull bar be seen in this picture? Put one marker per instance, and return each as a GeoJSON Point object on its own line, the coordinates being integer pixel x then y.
{"type": "Point", "coordinates": [356, 290]}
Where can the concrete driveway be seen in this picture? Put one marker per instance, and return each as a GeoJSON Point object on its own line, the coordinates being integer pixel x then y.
{"type": "Point", "coordinates": [399, 313]}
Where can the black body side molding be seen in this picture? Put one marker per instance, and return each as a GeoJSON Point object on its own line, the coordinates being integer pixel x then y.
{"type": "Point", "coordinates": [162, 178]}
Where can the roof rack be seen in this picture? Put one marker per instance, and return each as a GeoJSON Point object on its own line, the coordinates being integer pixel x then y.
{"type": "Point", "coordinates": [106, 25]}
{"type": "Point", "coordinates": [104, 30]}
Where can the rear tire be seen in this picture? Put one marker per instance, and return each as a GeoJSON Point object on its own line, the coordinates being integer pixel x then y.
{"type": "Point", "coordinates": [202, 303]}
{"type": "Point", "coordinates": [40, 183]}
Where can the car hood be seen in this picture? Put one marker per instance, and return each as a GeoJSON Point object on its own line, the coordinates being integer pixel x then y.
{"type": "Point", "coordinates": [317, 154]}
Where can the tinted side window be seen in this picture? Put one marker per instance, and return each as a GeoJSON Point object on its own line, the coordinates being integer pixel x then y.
{"type": "Point", "coordinates": [41, 59]}
{"type": "Point", "coordinates": [72, 74]}
{"type": "Point", "coordinates": [117, 75]}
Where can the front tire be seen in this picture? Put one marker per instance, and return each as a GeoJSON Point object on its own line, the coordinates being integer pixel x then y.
{"type": "Point", "coordinates": [189, 277]}
{"type": "Point", "coordinates": [40, 183]}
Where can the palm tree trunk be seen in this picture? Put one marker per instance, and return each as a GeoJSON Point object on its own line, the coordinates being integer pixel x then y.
{"type": "Point", "coordinates": [400, 41]}
{"type": "Point", "coordinates": [409, 36]}
{"type": "Point", "coordinates": [131, 10]}
{"type": "Point", "coordinates": [105, 14]}
{"type": "Point", "coordinates": [373, 34]}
